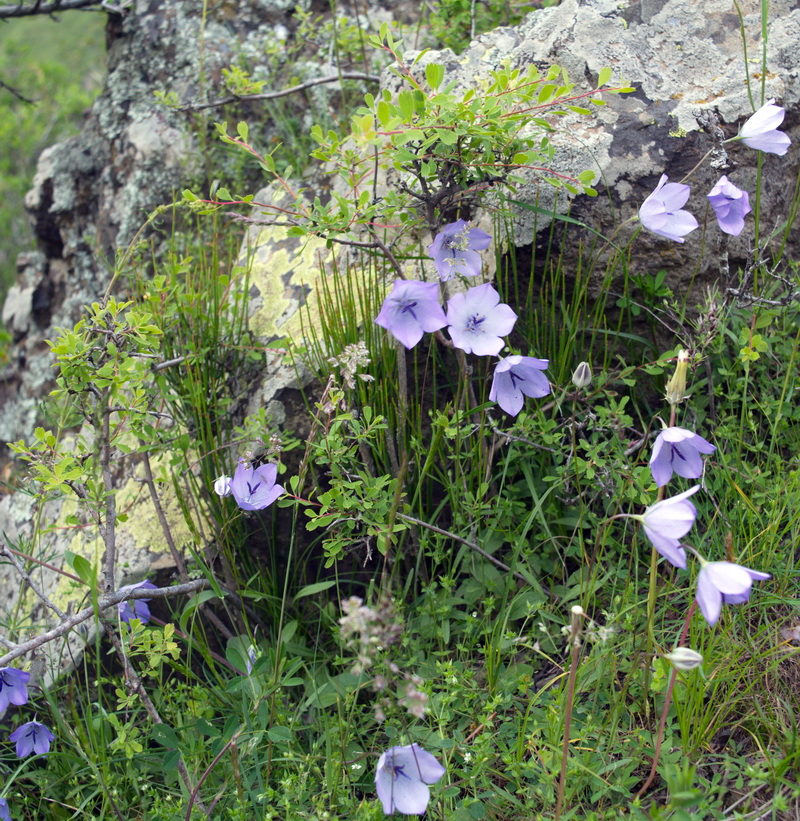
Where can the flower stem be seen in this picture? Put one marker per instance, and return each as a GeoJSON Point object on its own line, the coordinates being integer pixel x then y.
{"type": "Point", "coordinates": [574, 640]}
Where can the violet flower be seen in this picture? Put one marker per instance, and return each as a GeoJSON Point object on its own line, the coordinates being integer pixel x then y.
{"type": "Point", "coordinates": [135, 608]}
{"type": "Point", "coordinates": [411, 309]}
{"type": "Point", "coordinates": [5, 815]}
{"type": "Point", "coordinates": [667, 522]}
{"type": "Point", "coordinates": [723, 583]}
{"type": "Point", "coordinates": [661, 214]}
{"type": "Point", "coordinates": [678, 450]}
{"type": "Point", "coordinates": [516, 376]}
{"type": "Point", "coordinates": [255, 489]}
{"type": "Point", "coordinates": [454, 251]}
{"type": "Point", "coordinates": [477, 319]}
{"type": "Point", "coordinates": [761, 130]}
{"type": "Point", "coordinates": [731, 205]}
{"type": "Point", "coordinates": [402, 779]}
{"type": "Point", "coordinates": [32, 737]}
{"type": "Point", "coordinates": [13, 687]}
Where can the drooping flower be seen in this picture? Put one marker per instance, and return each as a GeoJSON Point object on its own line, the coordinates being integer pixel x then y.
{"type": "Point", "coordinates": [661, 214]}
{"type": "Point", "coordinates": [251, 659]}
{"type": "Point", "coordinates": [32, 737]}
{"type": "Point", "coordinates": [411, 309]}
{"type": "Point", "coordinates": [676, 387]}
{"type": "Point", "coordinates": [516, 377]}
{"type": "Point", "coordinates": [255, 489]}
{"type": "Point", "coordinates": [667, 522]}
{"type": "Point", "coordinates": [5, 815]}
{"type": "Point", "coordinates": [731, 205]}
{"type": "Point", "coordinates": [13, 687]}
{"type": "Point", "coordinates": [761, 130]}
{"type": "Point", "coordinates": [402, 779]}
{"type": "Point", "coordinates": [724, 583]}
{"type": "Point", "coordinates": [222, 486]}
{"type": "Point", "coordinates": [678, 450]}
{"type": "Point", "coordinates": [135, 608]}
{"type": "Point", "coordinates": [477, 320]}
{"type": "Point", "coordinates": [455, 250]}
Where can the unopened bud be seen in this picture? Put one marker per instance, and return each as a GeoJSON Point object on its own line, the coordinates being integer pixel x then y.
{"type": "Point", "coordinates": [582, 376]}
{"type": "Point", "coordinates": [684, 658]}
{"type": "Point", "coordinates": [222, 487]}
{"type": "Point", "coordinates": [676, 387]}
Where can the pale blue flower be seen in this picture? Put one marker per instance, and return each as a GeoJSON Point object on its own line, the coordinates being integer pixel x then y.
{"type": "Point", "coordinates": [410, 310]}
{"type": "Point", "coordinates": [731, 205]}
{"type": "Point", "coordinates": [724, 583]}
{"type": "Point", "coordinates": [135, 608]}
{"type": "Point", "coordinates": [761, 130]}
{"type": "Point", "coordinates": [32, 737]}
{"type": "Point", "coordinates": [667, 522]}
{"type": "Point", "coordinates": [678, 450]}
{"type": "Point", "coordinates": [5, 815]}
{"type": "Point", "coordinates": [13, 687]}
{"type": "Point", "coordinates": [476, 322]}
{"type": "Point", "coordinates": [516, 377]}
{"type": "Point", "coordinates": [255, 489]}
{"type": "Point", "coordinates": [661, 214]}
{"type": "Point", "coordinates": [402, 779]}
{"type": "Point", "coordinates": [454, 251]}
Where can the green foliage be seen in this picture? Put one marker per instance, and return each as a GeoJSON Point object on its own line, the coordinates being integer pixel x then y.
{"type": "Point", "coordinates": [59, 66]}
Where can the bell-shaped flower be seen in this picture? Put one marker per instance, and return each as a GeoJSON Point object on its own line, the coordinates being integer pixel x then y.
{"type": "Point", "coordinates": [724, 583]}
{"type": "Point", "coordinates": [761, 130]}
{"type": "Point", "coordinates": [684, 659]}
{"type": "Point", "coordinates": [731, 205]}
{"type": "Point", "coordinates": [661, 211]}
{"type": "Point", "coordinates": [667, 522]}
{"type": "Point", "coordinates": [255, 489]}
{"type": "Point", "coordinates": [13, 687]}
{"type": "Point", "coordinates": [222, 486]}
{"type": "Point", "coordinates": [678, 450]}
{"type": "Point", "coordinates": [32, 737]}
{"type": "Point", "coordinates": [455, 250]}
{"type": "Point", "coordinates": [516, 377]}
{"type": "Point", "coordinates": [402, 779]}
{"type": "Point", "coordinates": [477, 320]}
{"type": "Point", "coordinates": [410, 310]}
{"type": "Point", "coordinates": [135, 608]}
{"type": "Point", "coordinates": [5, 815]}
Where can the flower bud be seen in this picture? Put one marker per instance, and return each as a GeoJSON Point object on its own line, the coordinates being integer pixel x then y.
{"type": "Point", "coordinates": [676, 387]}
{"type": "Point", "coordinates": [583, 376]}
{"type": "Point", "coordinates": [684, 658]}
{"type": "Point", "coordinates": [222, 487]}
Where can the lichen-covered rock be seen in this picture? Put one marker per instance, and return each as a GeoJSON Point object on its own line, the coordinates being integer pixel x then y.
{"type": "Point", "coordinates": [681, 63]}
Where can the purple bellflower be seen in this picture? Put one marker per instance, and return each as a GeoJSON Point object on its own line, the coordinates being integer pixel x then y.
{"type": "Point", "coordinates": [761, 130]}
{"type": "Point", "coordinates": [32, 737]}
{"type": "Point", "coordinates": [5, 815]}
{"type": "Point", "coordinates": [667, 522]}
{"type": "Point", "coordinates": [411, 309]}
{"type": "Point", "coordinates": [13, 687]}
{"type": "Point", "coordinates": [255, 489]}
{"type": "Point", "coordinates": [516, 377]}
{"type": "Point", "coordinates": [730, 204]}
{"type": "Point", "coordinates": [477, 319]}
{"type": "Point", "coordinates": [402, 779]}
{"type": "Point", "coordinates": [678, 450]}
{"type": "Point", "coordinates": [661, 214]}
{"type": "Point", "coordinates": [723, 583]}
{"type": "Point", "coordinates": [135, 608]}
{"type": "Point", "coordinates": [455, 250]}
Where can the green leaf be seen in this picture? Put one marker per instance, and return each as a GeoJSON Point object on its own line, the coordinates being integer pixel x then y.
{"type": "Point", "coordinates": [604, 76]}
{"type": "Point", "coordinates": [279, 734]}
{"type": "Point", "coordinates": [434, 74]}
{"type": "Point", "coordinates": [164, 735]}
{"type": "Point", "coordinates": [447, 137]}
{"type": "Point", "coordinates": [243, 131]}
{"type": "Point", "coordinates": [405, 102]}
{"type": "Point", "coordinates": [313, 589]}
